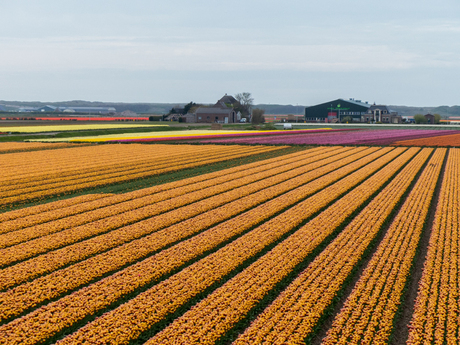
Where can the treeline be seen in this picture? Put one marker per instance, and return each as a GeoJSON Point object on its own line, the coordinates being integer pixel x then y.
{"type": "Point", "coordinates": [164, 108]}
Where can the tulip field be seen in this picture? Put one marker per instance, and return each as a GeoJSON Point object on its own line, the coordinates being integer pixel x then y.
{"type": "Point", "coordinates": [245, 245]}
{"type": "Point", "coordinates": [399, 137]}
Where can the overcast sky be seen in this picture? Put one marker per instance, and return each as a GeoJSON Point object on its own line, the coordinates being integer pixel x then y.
{"type": "Point", "coordinates": [396, 52]}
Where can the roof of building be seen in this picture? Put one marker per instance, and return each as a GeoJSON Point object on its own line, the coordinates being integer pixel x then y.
{"type": "Point", "coordinates": [351, 101]}
{"type": "Point", "coordinates": [357, 102]}
{"type": "Point", "coordinates": [228, 99]}
{"type": "Point", "coordinates": [214, 110]}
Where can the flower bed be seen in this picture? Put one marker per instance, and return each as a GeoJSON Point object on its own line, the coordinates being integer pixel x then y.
{"type": "Point", "coordinates": [343, 137]}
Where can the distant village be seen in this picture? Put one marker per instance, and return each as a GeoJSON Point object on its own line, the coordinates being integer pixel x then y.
{"type": "Point", "coordinates": [229, 109]}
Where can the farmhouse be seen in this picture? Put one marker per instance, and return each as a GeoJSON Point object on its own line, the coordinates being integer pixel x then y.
{"type": "Point", "coordinates": [381, 113]}
{"type": "Point", "coordinates": [221, 112]}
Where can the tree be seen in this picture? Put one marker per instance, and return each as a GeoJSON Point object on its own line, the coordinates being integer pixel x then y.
{"type": "Point", "coordinates": [419, 118]}
{"type": "Point", "coordinates": [245, 103]}
{"type": "Point", "coordinates": [188, 106]}
{"type": "Point", "coordinates": [437, 118]}
{"type": "Point", "coordinates": [258, 116]}
{"type": "Point", "coordinates": [347, 119]}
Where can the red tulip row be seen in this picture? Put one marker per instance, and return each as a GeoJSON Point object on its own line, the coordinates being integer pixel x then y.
{"type": "Point", "coordinates": [167, 211]}
{"type": "Point", "coordinates": [368, 313]}
{"type": "Point", "coordinates": [18, 219]}
{"type": "Point", "coordinates": [210, 319]}
{"type": "Point", "coordinates": [136, 170]}
{"type": "Point", "coordinates": [39, 225]}
{"type": "Point", "coordinates": [295, 312]}
{"type": "Point", "coordinates": [56, 316]}
{"type": "Point", "coordinates": [120, 325]}
{"type": "Point", "coordinates": [436, 315]}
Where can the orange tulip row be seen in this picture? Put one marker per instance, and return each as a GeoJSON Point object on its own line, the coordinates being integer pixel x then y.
{"type": "Point", "coordinates": [30, 166]}
{"type": "Point", "coordinates": [30, 183]}
{"type": "Point", "coordinates": [33, 227]}
{"type": "Point", "coordinates": [442, 140]}
{"type": "Point", "coordinates": [51, 261]}
{"type": "Point", "coordinates": [25, 146]}
{"type": "Point", "coordinates": [368, 313]}
{"type": "Point", "coordinates": [208, 321]}
{"type": "Point", "coordinates": [436, 315]}
{"type": "Point", "coordinates": [136, 171]}
{"type": "Point", "coordinates": [27, 295]}
{"type": "Point", "coordinates": [164, 298]}
{"type": "Point", "coordinates": [14, 220]}
{"type": "Point", "coordinates": [41, 323]}
{"type": "Point", "coordinates": [168, 211]}
{"type": "Point", "coordinates": [37, 210]}
{"type": "Point", "coordinates": [295, 312]}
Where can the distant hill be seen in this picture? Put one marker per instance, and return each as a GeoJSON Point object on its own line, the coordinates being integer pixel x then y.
{"type": "Point", "coordinates": [140, 108]}
{"type": "Point", "coordinates": [444, 111]}
{"type": "Point", "coordinates": [281, 109]}
{"type": "Point", "coordinates": [163, 108]}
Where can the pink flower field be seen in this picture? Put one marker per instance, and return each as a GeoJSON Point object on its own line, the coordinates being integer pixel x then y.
{"type": "Point", "coordinates": [344, 137]}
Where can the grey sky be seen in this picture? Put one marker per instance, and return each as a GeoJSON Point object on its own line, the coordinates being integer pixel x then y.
{"type": "Point", "coordinates": [401, 52]}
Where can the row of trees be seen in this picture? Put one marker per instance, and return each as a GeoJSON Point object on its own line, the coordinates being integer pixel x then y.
{"type": "Point", "coordinates": [419, 118]}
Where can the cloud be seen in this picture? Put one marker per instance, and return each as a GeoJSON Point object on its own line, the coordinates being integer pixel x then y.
{"type": "Point", "coordinates": [147, 53]}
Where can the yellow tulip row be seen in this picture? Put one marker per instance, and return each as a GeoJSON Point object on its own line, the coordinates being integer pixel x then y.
{"type": "Point", "coordinates": [51, 261]}
{"type": "Point", "coordinates": [137, 170]}
{"type": "Point", "coordinates": [154, 304]}
{"type": "Point", "coordinates": [41, 323]}
{"type": "Point", "coordinates": [436, 315]}
{"type": "Point", "coordinates": [209, 320]}
{"type": "Point", "coordinates": [167, 211]}
{"type": "Point", "coordinates": [295, 312]}
{"type": "Point", "coordinates": [368, 313]}
{"type": "Point", "coordinates": [14, 220]}
{"type": "Point", "coordinates": [33, 227]}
